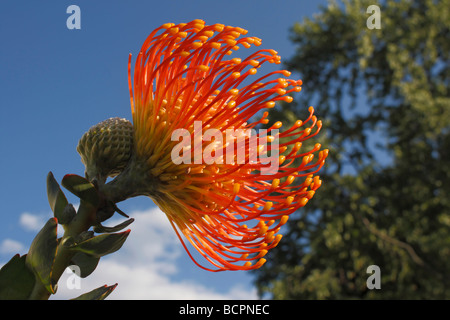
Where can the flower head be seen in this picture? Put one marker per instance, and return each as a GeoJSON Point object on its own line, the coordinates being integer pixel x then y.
{"type": "Point", "coordinates": [226, 196]}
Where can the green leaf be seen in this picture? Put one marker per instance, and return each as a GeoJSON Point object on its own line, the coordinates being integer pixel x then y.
{"type": "Point", "coordinates": [42, 253]}
{"type": "Point", "coordinates": [102, 229]}
{"type": "Point", "coordinates": [97, 294]}
{"type": "Point", "coordinates": [101, 245]}
{"type": "Point", "coordinates": [82, 188]}
{"type": "Point", "coordinates": [16, 280]}
{"type": "Point", "coordinates": [56, 199]}
{"type": "Point", "coordinates": [86, 263]}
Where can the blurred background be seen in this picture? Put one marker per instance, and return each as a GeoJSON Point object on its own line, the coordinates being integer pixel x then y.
{"type": "Point", "coordinates": [379, 80]}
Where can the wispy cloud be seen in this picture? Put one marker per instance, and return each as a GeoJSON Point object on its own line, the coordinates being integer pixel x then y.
{"type": "Point", "coordinates": [32, 222]}
{"type": "Point", "coordinates": [10, 246]}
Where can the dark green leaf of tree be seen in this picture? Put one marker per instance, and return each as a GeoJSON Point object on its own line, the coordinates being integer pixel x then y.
{"type": "Point", "coordinates": [384, 98]}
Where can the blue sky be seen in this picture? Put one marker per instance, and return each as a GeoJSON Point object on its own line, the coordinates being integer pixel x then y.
{"type": "Point", "coordinates": [55, 83]}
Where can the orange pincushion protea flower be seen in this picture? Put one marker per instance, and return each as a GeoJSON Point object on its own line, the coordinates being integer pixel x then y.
{"type": "Point", "coordinates": [231, 212]}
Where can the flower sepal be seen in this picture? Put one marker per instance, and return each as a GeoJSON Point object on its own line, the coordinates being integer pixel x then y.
{"type": "Point", "coordinates": [85, 262]}
{"type": "Point", "coordinates": [99, 228]}
{"type": "Point", "coordinates": [97, 294]}
{"type": "Point", "coordinates": [61, 208]}
{"type": "Point", "coordinates": [82, 188]}
{"type": "Point", "coordinates": [98, 246]}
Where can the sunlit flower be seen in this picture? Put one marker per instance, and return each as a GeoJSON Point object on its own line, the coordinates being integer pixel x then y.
{"type": "Point", "coordinates": [230, 209]}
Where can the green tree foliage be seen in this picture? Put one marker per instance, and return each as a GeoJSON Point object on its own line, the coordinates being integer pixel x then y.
{"type": "Point", "coordinates": [384, 97]}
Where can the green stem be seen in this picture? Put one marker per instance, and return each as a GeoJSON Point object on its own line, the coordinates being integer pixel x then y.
{"type": "Point", "coordinates": [80, 223]}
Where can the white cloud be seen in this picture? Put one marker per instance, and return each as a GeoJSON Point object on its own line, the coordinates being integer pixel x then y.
{"type": "Point", "coordinates": [151, 265]}
{"type": "Point", "coordinates": [139, 282]}
{"type": "Point", "coordinates": [35, 222]}
{"type": "Point", "coordinates": [32, 222]}
{"type": "Point", "coordinates": [9, 246]}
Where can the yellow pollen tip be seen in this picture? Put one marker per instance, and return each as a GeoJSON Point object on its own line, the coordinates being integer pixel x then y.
{"type": "Point", "coordinates": [270, 104]}
{"type": "Point", "coordinates": [303, 202]}
{"type": "Point", "coordinates": [261, 254]}
{"type": "Point", "coordinates": [284, 219]}
{"type": "Point", "coordinates": [219, 27]}
{"type": "Point", "coordinates": [290, 179]}
{"type": "Point", "coordinates": [167, 25]}
{"type": "Point", "coordinates": [174, 30]}
{"type": "Point", "coordinates": [231, 42]}
{"type": "Point", "coordinates": [281, 91]}
{"type": "Point", "coordinates": [234, 92]}
{"type": "Point", "coordinates": [282, 82]}
{"type": "Point", "coordinates": [244, 256]}
{"type": "Point", "coordinates": [277, 125]}
{"type": "Point", "coordinates": [252, 71]}
{"type": "Point", "coordinates": [298, 123]}
{"type": "Point", "coordinates": [310, 194]}
{"type": "Point", "coordinates": [236, 75]}
{"type": "Point", "coordinates": [231, 104]}
{"type": "Point", "coordinates": [208, 33]}
{"type": "Point", "coordinates": [215, 45]}
{"type": "Point", "coordinates": [269, 236]}
{"type": "Point", "coordinates": [268, 205]}
{"type": "Point", "coordinates": [263, 230]}
{"type": "Point", "coordinates": [297, 146]}
{"type": "Point", "coordinates": [197, 45]}
{"type": "Point", "coordinates": [288, 99]}
{"type": "Point", "coordinates": [275, 183]}
{"type": "Point", "coordinates": [277, 239]}
{"type": "Point", "coordinates": [202, 67]}
{"type": "Point", "coordinates": [259, 263]}
{"type": "Point", "coordinates": [203, 38]}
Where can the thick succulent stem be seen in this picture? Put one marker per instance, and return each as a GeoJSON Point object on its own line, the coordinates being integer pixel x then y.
{"type": "Point", "coordinates": [81, 222]}
{"type": "Point", "coordinates": [133, 181]}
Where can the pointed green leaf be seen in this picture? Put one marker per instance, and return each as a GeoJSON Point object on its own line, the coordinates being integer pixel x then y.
{"type": "Point", "coordinates": [42, 254]}
{"type": "Point", "coordinates": [102, 229]}
{"type": "Point", "coordinates": [56, 198]}
{"type": "Point", "coordinates": [97, 294]}
{"type": "Point", "coordinates": [101, 245]}
{"type": "Point", "coordinates": [82, 188]}
{"type": "Point", "coordinates": [86, 263]}
{"type": "Point", "coordinates": [16, 280]}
